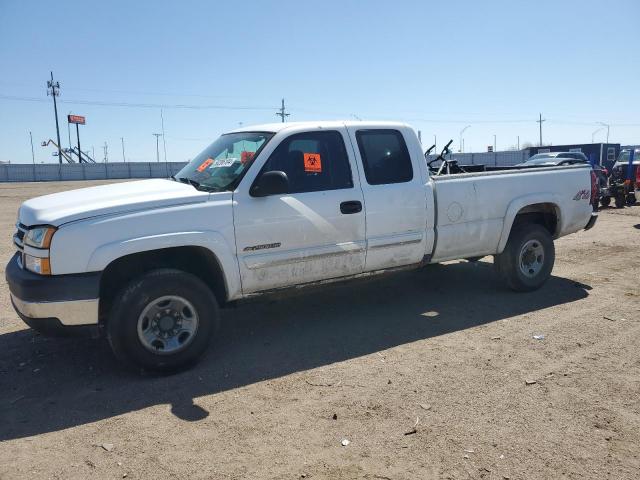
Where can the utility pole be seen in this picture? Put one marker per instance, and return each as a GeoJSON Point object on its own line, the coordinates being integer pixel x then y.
{"type": "Point", "coordinates": [494, 144]}
{"type": "Point", "coordinates": [282, 113]}
{"type": "Point", "coordinates": [105, 148]}
{"type": "Point", "coordinates": [33, 155]}
{"type": "Point", "coordinates": [540, 122]}
{"type": "Point", "coordinates": [435, 144]}
{"type": "Point", "coordinates": [518, 142]}
{"type": "Point", "coordinates": [157, 135]}
{"type": "Point", "coordinates": [123, 157]}
{"type": "Point", "coordinates": [53, 89]}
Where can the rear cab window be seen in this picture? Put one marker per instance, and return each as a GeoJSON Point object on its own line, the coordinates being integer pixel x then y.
{"type": "Point", "coordinates": [385, 156]}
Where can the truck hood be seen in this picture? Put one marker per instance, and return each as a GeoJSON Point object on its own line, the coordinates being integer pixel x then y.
{"type": "Point", "coordinates": [65, 207]}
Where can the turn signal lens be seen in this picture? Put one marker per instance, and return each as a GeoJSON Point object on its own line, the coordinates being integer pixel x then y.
{"type": "Point", "coordinates": [41, 266]}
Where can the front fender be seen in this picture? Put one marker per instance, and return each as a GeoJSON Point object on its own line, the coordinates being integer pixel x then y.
{"type": "Point", "coordinates": [519, 203]}
{"type": "Point", "coordinates": [212, 241]}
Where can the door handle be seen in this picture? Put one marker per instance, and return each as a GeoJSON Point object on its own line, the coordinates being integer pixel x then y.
{"type": "Point", "coordinates": [352, 206]}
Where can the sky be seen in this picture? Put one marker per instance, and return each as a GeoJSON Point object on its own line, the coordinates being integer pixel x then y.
{"type": "Point", "coordinates": [207, 67]}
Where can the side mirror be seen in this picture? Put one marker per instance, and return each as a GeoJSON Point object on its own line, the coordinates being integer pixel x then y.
{"type": "Point", "coordinates": [270, 183]}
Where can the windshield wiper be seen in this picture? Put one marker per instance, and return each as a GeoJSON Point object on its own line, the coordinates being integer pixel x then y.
{"type": "Point", "coordinates": [195, 184]}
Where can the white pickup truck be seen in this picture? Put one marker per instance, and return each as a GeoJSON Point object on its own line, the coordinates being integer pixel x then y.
{"type": "Point", "coordinates": [269, 207]}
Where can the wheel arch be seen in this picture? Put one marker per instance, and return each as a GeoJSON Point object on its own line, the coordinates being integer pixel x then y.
{"type": "Point", "coordinates": [197, 260]}
{"type": "Point", "coordinates": [541, 209]}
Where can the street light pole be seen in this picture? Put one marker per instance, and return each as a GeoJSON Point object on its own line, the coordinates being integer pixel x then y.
{"type": "Point", "coordinates": [69, 130]}
{"type": "Point", "coordinates": [461, 133]}
{"type": "Point", "coordinates": [605, 125]}
{"type": "Point", "coordinates": [593, 135]}
{"type": "Point", "coordinates": [494, 144]}
{"type": "Point", "coordinates": [157, 135]}
{"type": "Point", "coordinates": [33, 155]}
{"type": "Point", "coordinates": [123, 157]}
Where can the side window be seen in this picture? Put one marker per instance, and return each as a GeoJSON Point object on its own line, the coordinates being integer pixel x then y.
{"type": "Point", "coordinates": [313, 161]}
{"type": "Point", "coordinates": [384, 156]}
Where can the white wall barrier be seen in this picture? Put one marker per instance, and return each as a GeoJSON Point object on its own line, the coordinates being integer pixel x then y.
{"type": "Point", "coordinates": [17, 172]}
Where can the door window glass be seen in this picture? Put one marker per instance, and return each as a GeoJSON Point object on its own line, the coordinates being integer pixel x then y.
{"type": "Point", "coordinates": [384, 156]}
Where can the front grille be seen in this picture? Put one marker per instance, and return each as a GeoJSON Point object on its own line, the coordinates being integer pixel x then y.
{"type": "Point", "coordinates": [18, 237]}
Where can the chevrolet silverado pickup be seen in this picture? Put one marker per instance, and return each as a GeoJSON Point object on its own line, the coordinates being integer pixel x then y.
{"type": "Point", "coordinates": [149, 263]}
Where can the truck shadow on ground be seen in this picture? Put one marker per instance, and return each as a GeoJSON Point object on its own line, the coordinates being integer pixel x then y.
{"type": "Point", "coordinates": [50, 384]}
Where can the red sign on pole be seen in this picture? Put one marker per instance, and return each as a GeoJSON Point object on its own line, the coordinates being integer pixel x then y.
{"type": "Point", "coordinates": [79, 119]}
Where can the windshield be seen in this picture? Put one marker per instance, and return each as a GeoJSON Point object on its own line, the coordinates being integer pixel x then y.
{"type": "Point", "coordinates": [624, 156]}
{"type": "Point", "coordinates": [221, 165]}
{"type": "Point", "coordinates": [541, 160]}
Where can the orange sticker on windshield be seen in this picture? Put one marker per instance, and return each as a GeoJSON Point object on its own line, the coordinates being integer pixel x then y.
{"type": "Point", "coordinates": [205, 164]}
{"type": "Point", "coordinates": [246, 156]}
{"type": "Point", "coordinates": [312, 163]}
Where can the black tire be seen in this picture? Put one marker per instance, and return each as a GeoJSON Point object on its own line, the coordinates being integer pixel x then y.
{"type": "Point", "coordinates": [122, 324]}
{"type": "Point", "coordinates": [605, 201]}
{"type": "Point", "coordinates": [620, 201]}
{"type": "Point", "coordinates": [631, 199]}
{"type": "Point", "coordinates": [508, 263]}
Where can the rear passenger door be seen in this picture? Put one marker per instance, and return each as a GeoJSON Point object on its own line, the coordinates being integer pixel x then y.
{"type": "Point", "coordinates": [314, 232]}
{"type": "Point", "coordinates": [395, 198]}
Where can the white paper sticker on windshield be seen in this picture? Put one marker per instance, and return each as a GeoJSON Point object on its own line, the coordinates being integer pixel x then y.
{"type": "Point", "coordinates": [224, 162]}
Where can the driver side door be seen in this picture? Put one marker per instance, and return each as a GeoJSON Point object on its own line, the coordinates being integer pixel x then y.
{"type": "Point", "coordinates": [316, 230]}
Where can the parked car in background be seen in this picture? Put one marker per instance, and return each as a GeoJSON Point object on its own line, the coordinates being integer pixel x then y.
{"type": "Point", "coordinates": [623, 184]}
{"type": "Point", "coordinates": [571, 158]}
{"type": "Point", "coordinates": [555, 158]}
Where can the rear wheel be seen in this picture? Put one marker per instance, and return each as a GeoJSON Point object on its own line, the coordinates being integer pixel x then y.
{"type": "Point", "coordinates": [528, 258]}
{"type": "Point", "coordinates": [605, 201]}
{"type": "Point", "coordinates": [620, 201]}
{"type": "Point", "coordinates": [162, 321]}
{"type": "Point", "coordinates": [631, 198]}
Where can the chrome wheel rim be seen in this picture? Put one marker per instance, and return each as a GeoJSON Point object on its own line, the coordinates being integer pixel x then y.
{"type": "Point", "coordinates": [531, 258]}
{"type": "Point", "coordinates": [167, 325]}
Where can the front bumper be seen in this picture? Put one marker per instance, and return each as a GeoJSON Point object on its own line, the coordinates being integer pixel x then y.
{"type": "Point", "coordinates": [54, 303]}
{"type": "Point", "coordinates": [592, 221]}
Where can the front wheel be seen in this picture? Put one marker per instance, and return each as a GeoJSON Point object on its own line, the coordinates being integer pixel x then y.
{"type": "Point", "coordinates": [162, 321]}
{"type": "Point", "coordinates": [620, 201]}
{"type": "Point", "coordinates": [528, 258]}
{"type": "Point", "coordinates": [605, 201]}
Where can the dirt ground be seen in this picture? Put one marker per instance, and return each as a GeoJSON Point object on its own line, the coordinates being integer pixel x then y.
{"type": "Point", "coordinates": [286, 381]}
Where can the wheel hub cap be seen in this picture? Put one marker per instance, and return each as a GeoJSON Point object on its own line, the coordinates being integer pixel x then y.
{"type": "Point", "coordinates": [531, 258]}
{"type": "Point", "coordinates": [167, 325]}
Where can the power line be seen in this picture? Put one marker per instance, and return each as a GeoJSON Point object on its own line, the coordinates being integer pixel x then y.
{"type": "Point", "coordinates": [140, 105]}
{"type": "Point", "coordinates": [265, 108]}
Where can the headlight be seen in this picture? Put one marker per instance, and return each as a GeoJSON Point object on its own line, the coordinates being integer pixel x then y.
{"type": "Point", "coordinates": [39, 237]}
{"type": "Point", "coordinates": [38, 265]}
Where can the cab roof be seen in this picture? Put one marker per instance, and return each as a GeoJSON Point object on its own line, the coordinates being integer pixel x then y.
{"type": "Point", "coordinates": [277, 127]}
